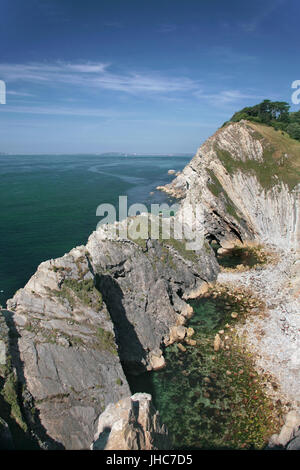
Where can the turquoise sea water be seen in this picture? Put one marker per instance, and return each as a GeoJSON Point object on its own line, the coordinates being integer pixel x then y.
{"type": "Point", "coordinates": [48, 203]}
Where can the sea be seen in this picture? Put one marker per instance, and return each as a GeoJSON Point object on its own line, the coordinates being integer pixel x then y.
{"type": "Point", "coordinates": [49, 202]}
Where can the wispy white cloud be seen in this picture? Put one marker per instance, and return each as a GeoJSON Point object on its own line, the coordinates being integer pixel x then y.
{"type": "Point", "coordinates": [64, 111]}
{"type": "Point", "coordinates": [224, 97]}
{"type": "Point", "coordinates": [18, 93]}
{"type": "Point", "coordinates": [95, 75]}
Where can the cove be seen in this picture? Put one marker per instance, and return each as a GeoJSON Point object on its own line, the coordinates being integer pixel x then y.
{"type": "Point", "coordinates": [212, 399]}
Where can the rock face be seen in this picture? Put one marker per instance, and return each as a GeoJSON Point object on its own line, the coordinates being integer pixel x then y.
{"type": "Point", "coordinates": [65, 352]}
{"type": "Point", "coordinates": [131, 424]}
{"type": "Point", "coordinates": [80, 316]}
{"type": "Point", "coordinates": [143, 287]}
{"type": "Point", "coordinates": [246, 182]}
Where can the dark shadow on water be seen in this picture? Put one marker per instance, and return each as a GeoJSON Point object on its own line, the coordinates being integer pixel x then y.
{"type": "Point", "coordinates": [233, 257]}
{"type": "Point", "coordinates": [102, 440]}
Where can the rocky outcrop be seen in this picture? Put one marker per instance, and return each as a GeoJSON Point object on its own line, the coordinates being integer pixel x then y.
{"type": "Point", "coordinates": [289, 436]}
{"type": "Point", "coordinates": [247, 183]}
{"type": "Point", "coordinates": [83, 317]}
{"type": "Point", "coordinates": [131, 424]}
{"type": "Point", "coordinates": [64, 351]}
{"type": "Point", "coordinates": [143, 287]}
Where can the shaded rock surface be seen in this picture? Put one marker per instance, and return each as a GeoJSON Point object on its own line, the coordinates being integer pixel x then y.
{"type": "Point", "coordinates": [131, 424]}
{"type": "Point", "coordinates": [142, 287]}
{"type": "Point", "coordinates": [6, 441]}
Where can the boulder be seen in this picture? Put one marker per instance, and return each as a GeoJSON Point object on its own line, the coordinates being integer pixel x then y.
{"type": "Point", "coordinates": [217, 342]}
{"type": "Point", "coordinates": [131, 424]}
{"type": "Point", "coordinates": [288, 432]}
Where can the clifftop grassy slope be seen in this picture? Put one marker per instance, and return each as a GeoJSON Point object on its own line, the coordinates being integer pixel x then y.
{"type": "Point", "coordinates": [281, 157]}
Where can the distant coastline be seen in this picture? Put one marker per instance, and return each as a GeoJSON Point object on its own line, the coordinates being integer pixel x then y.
{"type": "Point", "coordinates": [105, 154]}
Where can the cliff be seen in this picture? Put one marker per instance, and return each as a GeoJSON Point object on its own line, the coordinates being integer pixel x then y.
{"type": "Point", "coordinates": [81, 318]}
{"type": "Point", "coordinates": [247, 177]}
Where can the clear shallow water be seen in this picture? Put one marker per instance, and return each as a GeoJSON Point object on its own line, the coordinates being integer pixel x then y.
{"type": "Point", "coordinates": [48, 203]}
{"type": "Point", "coordinates": [212, 399]}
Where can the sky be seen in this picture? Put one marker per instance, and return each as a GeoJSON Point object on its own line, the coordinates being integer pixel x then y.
{"type": "Point", "coordinates": [144, 76]}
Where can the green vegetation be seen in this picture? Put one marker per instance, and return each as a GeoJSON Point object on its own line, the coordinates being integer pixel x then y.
{"type": "Point", "coordinates": [279, 132]}
{"type": "Point", "coordinates": [177, 245]}
{"type": "Point", "coordinates": [180, 247]}
{"type": "Point", "coordinates": [106, 340]}
{"type": "Point", "coordinates": [272, 113]}
{"type": "Point", "coordinates": [84, 291]}
{"type": "Point", "coordinates": [215, 399]}
{"type": "Point", "coordinates": [280, 159]}
{"type": "Point", "coordinates": [242, 257]}
{"type": "Point", "coordinates": [217, 189]}
{"type": "Point", "coordinates": [9, 393]}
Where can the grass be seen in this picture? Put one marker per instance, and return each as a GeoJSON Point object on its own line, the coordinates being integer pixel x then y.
{"type": "Point", "coordinates": [106, 340]}
{"type": "Point", "coordinates": [275, 166]}
{"type": "Point", "coordinates": [166, 244]}
{"type": "Point", "coordinates": [217, 189]}
{"type": "Point", "coordinates": [83, 291]}
{"type": "Point", "coordinates": [9, 392]}
{"type": "Point", "coordinates": [179, 246]}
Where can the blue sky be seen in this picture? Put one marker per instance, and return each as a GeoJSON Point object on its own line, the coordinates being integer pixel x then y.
{"type": "Point", "coordinates": [138, 76]}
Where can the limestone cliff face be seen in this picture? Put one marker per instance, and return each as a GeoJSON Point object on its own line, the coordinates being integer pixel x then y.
{"type": "Point", "coordinates": [82, 317]}
{"type": "Point", "coordinates": [248, 183]}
